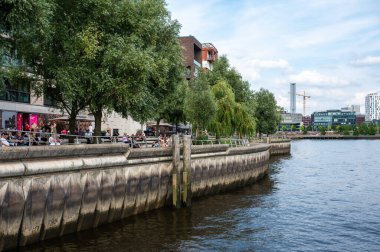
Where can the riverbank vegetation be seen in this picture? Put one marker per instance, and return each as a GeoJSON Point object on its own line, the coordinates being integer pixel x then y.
{"type": "Point", "coordinates": [124, 56]}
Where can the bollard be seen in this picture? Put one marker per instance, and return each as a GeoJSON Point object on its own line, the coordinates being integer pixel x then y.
{"type": "Point", "coordinates": [176, 175]}
{"type": "Point", "coordinates": [186, 197]}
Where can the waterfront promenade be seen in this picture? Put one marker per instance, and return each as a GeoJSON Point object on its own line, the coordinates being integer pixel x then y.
{"type": "Point", "coordinates": [48, 192]}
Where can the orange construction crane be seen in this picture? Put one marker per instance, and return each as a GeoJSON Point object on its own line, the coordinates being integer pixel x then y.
{"type": "Point", "coordinates": [304, 101]}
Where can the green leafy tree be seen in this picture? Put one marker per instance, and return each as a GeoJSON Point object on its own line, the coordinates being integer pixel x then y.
{"type": "Point", "coordinates": [200, 105]}
{"type": "Point", "coordinates": [171, 107]}
{"type": "Point", "coordinates": [244, 123]}
{"type": "Point", "coordinates": [98, 54]}
{"type": "Point", "coordinates": [265, 112]}
{"type": "Point", "coordinates": [231, 116]}
{"type": "Point", "coordinates": [233, 98]}
{"type": "Point", "coordinates": [284, 128]}
{"type": "Point", "coordinates": [346, 130]}
{"type": "Point", "coordinates": [371, 129]}
{"type": "Point", "coordinates": [322, 130]}
{"type": "Point", "coordinates": [356, 131]}
{"type": "Point", "coordinates": [363, 129]}
{"type": "Point", "coordinates": [303, 129]}
{"type": "Point", "coordinates": [338, 128]}
{"type": "Point", "coordinates": [223, 71]}
{"type": "Point", "coordinates": [293, 127]}
{"type": "Point", "coordinates": [222, 124]}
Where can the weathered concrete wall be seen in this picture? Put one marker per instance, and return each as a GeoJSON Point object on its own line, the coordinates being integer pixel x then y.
{"type": "Point", "coordinates": [50, 191]}
{"type": "Point", "coordinates": [280, 147]}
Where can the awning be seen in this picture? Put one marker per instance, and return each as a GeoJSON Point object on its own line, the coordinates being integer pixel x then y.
{"type": "Point", "coordinates": [81, 118]}
{"type": "Point", "coordinates": [153, 124]}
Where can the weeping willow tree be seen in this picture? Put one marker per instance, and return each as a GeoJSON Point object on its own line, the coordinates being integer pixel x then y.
{"type": "Point", "coordinates": [222, 125]}
{"type": "Point", "coordinates": [244, 122]}
{"type": "Point", "coordinates": [231, 117]}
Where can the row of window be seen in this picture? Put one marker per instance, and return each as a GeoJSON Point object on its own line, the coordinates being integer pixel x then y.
{"type": "Point", "coordinates": [21, 93]}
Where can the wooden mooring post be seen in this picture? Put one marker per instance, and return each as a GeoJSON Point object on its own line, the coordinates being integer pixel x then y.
{"type": "Point", "coordinates": [176, 175]}
{"type": "Point", "coordinates": [181, 176]}
{"type": "Point", "coordinates": [186, 193]}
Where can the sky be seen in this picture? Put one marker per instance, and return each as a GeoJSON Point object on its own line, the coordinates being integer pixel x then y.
{"type": "Point", "coordinates": [329, 48]}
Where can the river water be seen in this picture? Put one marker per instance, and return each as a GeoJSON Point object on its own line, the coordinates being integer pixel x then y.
{"type": "Point", "coordinates": [325, 196]}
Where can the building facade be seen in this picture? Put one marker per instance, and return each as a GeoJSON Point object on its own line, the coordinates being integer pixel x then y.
{"type": "Point", "coordinates": [333, 118]}
{"type": "Point", "coordinates": [306, 121]}
{"type": "Point", "coordinates": [290, 119]}
{"type": "Point", "coordinates": [372, 107]}
{"type": "Point", "coordinates": [209, 56]}
{"type": "Point", "coordinates": [192, 56]}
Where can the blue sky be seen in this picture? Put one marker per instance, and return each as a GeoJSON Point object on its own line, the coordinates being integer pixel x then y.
{"type": "Point", "coordinates": [330, 48]}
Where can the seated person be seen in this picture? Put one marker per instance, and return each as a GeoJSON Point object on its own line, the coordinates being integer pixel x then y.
{"type": "Point", "coordinates": [3, 140]}
{"type": "Point", "coordinates": [156, 144]}
{"type": "Point", "coordinates": [18, 139]}
{"type": "Point", "coordinates": [57, 140]}
{"type": "Point", "coordinates": [125, 138]}
{"type": "Point", "coordinates": [52, 140]}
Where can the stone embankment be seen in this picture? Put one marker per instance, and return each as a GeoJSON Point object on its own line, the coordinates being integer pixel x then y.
{"type": "Point", "coordinates": [48, 191]}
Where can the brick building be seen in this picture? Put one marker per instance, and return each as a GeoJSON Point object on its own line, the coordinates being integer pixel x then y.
{"type": "Point", "coordinates": [192, 55]}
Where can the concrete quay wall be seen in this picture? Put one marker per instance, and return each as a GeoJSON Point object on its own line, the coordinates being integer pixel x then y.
{"type": "Point", "coordinates": [280, 147]}
{"type": "Point", "coordinates": [50, 191]}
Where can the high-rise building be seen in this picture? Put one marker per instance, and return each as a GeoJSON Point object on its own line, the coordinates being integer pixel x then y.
{"type": "Point", "coordinates": [372, 107]}
{"type": "Point", "coordinates": [292, 98]}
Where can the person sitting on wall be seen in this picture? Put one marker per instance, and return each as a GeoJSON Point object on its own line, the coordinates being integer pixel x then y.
{"type": "Point", "coordinates": [156, 144]}
{"type": "Point", "coordinates": [3, 140]}
{"type": "Point", "coordinates": [52, 140]}
{"type": "Point", "coordinates": [57, 140]}
{"type": "Point", "coordinates": [125, 138]}
{"type": "Point", "coordinates": [18, 138]}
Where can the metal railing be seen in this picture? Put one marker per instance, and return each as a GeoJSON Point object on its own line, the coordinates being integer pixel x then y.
{"type": "Point", "coordinates": [31, 138]}
{"type": "Point", "coordinates": [230, 141]}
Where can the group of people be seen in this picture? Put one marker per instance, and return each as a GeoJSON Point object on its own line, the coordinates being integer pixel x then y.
{"type": "Point", "coordinates": [163, 141]}
{"type": "Point", "coordinates": [132, 141]}
{"type": "Point", "coordinates": [22, 138]}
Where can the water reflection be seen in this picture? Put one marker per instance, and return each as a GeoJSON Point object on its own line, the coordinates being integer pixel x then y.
{"type": "Point", "coordinates": [166, 229]}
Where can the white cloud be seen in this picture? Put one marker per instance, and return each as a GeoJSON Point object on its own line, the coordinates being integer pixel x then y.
{"type": "Point", "coordinates": [320, 46]}
{"type": "Point", "coordinates": [369, 60]}
{"type": "Point", "coordinates": [280, 63]}
{"type": "Point", "coordinates": [316, 78]}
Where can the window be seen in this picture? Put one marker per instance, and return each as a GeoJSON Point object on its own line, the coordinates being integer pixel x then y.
{"type": "Point", "coordinates": [16, 92]}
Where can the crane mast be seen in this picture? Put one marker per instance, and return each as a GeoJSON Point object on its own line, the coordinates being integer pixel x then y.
{"type": "Point", "coordinates": [304, 101]}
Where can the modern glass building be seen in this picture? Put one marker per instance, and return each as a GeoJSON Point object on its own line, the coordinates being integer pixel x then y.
{"type": "Point", "coordinates": [372, 107]}
{"type": "Point", "coordinates": [333, 118]}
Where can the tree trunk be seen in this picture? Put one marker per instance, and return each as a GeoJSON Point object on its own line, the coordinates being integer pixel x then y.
{"type": "Point", "coordinates": [72, 126]}
{"type": "Point", "coordinates": [158, 127]}
{"type": "Point", "coordinates": [98, 124]}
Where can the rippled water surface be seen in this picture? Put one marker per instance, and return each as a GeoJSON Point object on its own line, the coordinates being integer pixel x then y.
{"type": "Point", "coordinates": [325, 196]}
